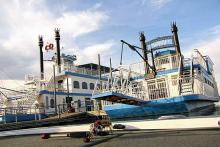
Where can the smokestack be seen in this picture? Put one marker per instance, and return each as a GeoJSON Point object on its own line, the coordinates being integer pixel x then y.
{"type": "Point", "coordinates": [41, 44]}
{"type": "Point", "coordinates": [57, 38]}
{"type": "Point", "coordinates": [175, 37]}
{"type": "Point", "coordinates": [144, 51]}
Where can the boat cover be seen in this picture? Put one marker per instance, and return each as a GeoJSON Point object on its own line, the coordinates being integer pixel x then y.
{"type": "Point", "coordinates": [118, 98]}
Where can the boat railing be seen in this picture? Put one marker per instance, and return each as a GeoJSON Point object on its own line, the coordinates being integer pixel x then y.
{"type": "Point", "coordinates": [16, 113]}
{"type": "Point", "coordinates": [157, 89]}
{"type": "Point", "coordinates": [80, 70]}
{"type": "Point", "coordinates": [199, 58]}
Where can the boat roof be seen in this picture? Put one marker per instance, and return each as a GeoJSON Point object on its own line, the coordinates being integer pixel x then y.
{"type": "Point", "coordinates": [118, 98]}
{"type": "Point", "coordinates": [94, 66]}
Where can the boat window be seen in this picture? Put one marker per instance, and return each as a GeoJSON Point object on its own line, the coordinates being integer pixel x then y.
{"type": "Point", "coordinates": [52, 103]}
{"type": "Point", "coordinates": [76, 84]}
{"type": "Point", "coordinates": [91, 86]}
{"type": "Point", "coordinates": [162, 61]}
{"type": "Point", "coordinates": [84, 85]}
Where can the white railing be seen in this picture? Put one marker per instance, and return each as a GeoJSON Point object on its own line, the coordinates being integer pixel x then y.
{"type": "Point", "coordinates": [153, 89]}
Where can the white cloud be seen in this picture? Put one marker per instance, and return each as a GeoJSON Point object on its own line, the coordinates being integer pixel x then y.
{"type": "Point", "coordinates": [91, 52]}
{"type": "Point", "coordinates": [211, 47]}
{"type": "Point", "coordinates": [159, 3]}
{"type": "Point", "coordinates": [21, 23]}
{"type": "Point", "coordinates": [79, 23]}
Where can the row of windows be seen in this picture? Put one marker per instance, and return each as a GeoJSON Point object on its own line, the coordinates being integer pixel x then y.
{"type": "Point", "coordinates": [162, 61]}
{"type": "Point", "coordinates": [84, 85]}
{"type": "Point", "coordinates": [209, 83]}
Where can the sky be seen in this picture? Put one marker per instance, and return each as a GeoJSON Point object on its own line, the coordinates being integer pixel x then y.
{"type": "Point", "coordinates": [91, 27]}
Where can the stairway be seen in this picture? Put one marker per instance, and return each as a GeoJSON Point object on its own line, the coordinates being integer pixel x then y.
{"type": "Point", "coordinates": [186, 81]}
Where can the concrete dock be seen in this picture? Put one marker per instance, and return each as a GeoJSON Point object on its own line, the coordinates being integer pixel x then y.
{"type": "Point", "coordinates": [187, 138]}
{"type": "Point", "coordinates": [202, 131]}
{"type": "Point", "coordinates": [175, 124]}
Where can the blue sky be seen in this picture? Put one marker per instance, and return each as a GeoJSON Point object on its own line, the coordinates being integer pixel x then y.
{"type": "Point", "coordinates": [89, 27]}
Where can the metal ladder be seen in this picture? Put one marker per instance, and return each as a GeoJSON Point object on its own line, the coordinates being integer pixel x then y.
{"type": "Point", "coordinates": [186, 80]}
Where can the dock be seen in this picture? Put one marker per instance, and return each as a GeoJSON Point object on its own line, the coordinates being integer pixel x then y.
{"type": "Point", "coordinates": [135, 125]}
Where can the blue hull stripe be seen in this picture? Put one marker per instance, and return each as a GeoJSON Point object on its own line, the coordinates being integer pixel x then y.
{"type": "Point", "coordinates": [65, 93]}
{"type": "Point", "coordinates": [174, 105]}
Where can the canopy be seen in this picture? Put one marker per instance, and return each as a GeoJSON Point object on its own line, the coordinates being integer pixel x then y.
{"type": "Point", "coordinates": [118, 98]}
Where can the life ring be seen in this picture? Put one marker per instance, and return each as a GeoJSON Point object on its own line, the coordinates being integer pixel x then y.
{"type": "Point", "coordinates": [50, 46]}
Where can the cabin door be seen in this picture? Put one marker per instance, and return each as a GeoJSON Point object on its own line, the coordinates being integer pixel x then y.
{"type": "Point", "coordinates": [68, 102]}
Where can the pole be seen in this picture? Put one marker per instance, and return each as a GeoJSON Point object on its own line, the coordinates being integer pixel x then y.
{"type": "Point", "coordinates": [144, 50]}
{"type": "Point", "coordinates": [35, 113]}
{"type": "Point", "coordinates": [154, 67]}
{"type": "Point", "coordinates": [58, 111]}
{"type": "Point", "coordinates": [99, 101]}
{"type": "Point", "coordinates": [5, 115]}
{"type": "Point", "coordinates": [16, 115]}
{"type": "Point", "coordinates": [99, 67]}
{"type": "Point", "coordinates": [122, 48]}
{"type": "Point", "coordinates": [54, 83]}
{"type": "Point", "coordinates": [67, 82]}
{"type": "Point", "coordinates": [111, 71]}
{"type": "Point", "coordinates": [68, 95]}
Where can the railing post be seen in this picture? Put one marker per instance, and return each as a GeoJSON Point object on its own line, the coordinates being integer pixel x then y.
{"type": "Point", "coordinates": [5, 115]}
{"type": "Point", "coordinates": [59, 111]}
{"type": "Point", "coordinates": [35, 115]}
{"type": "Point", "coordinates": [16, 117]}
